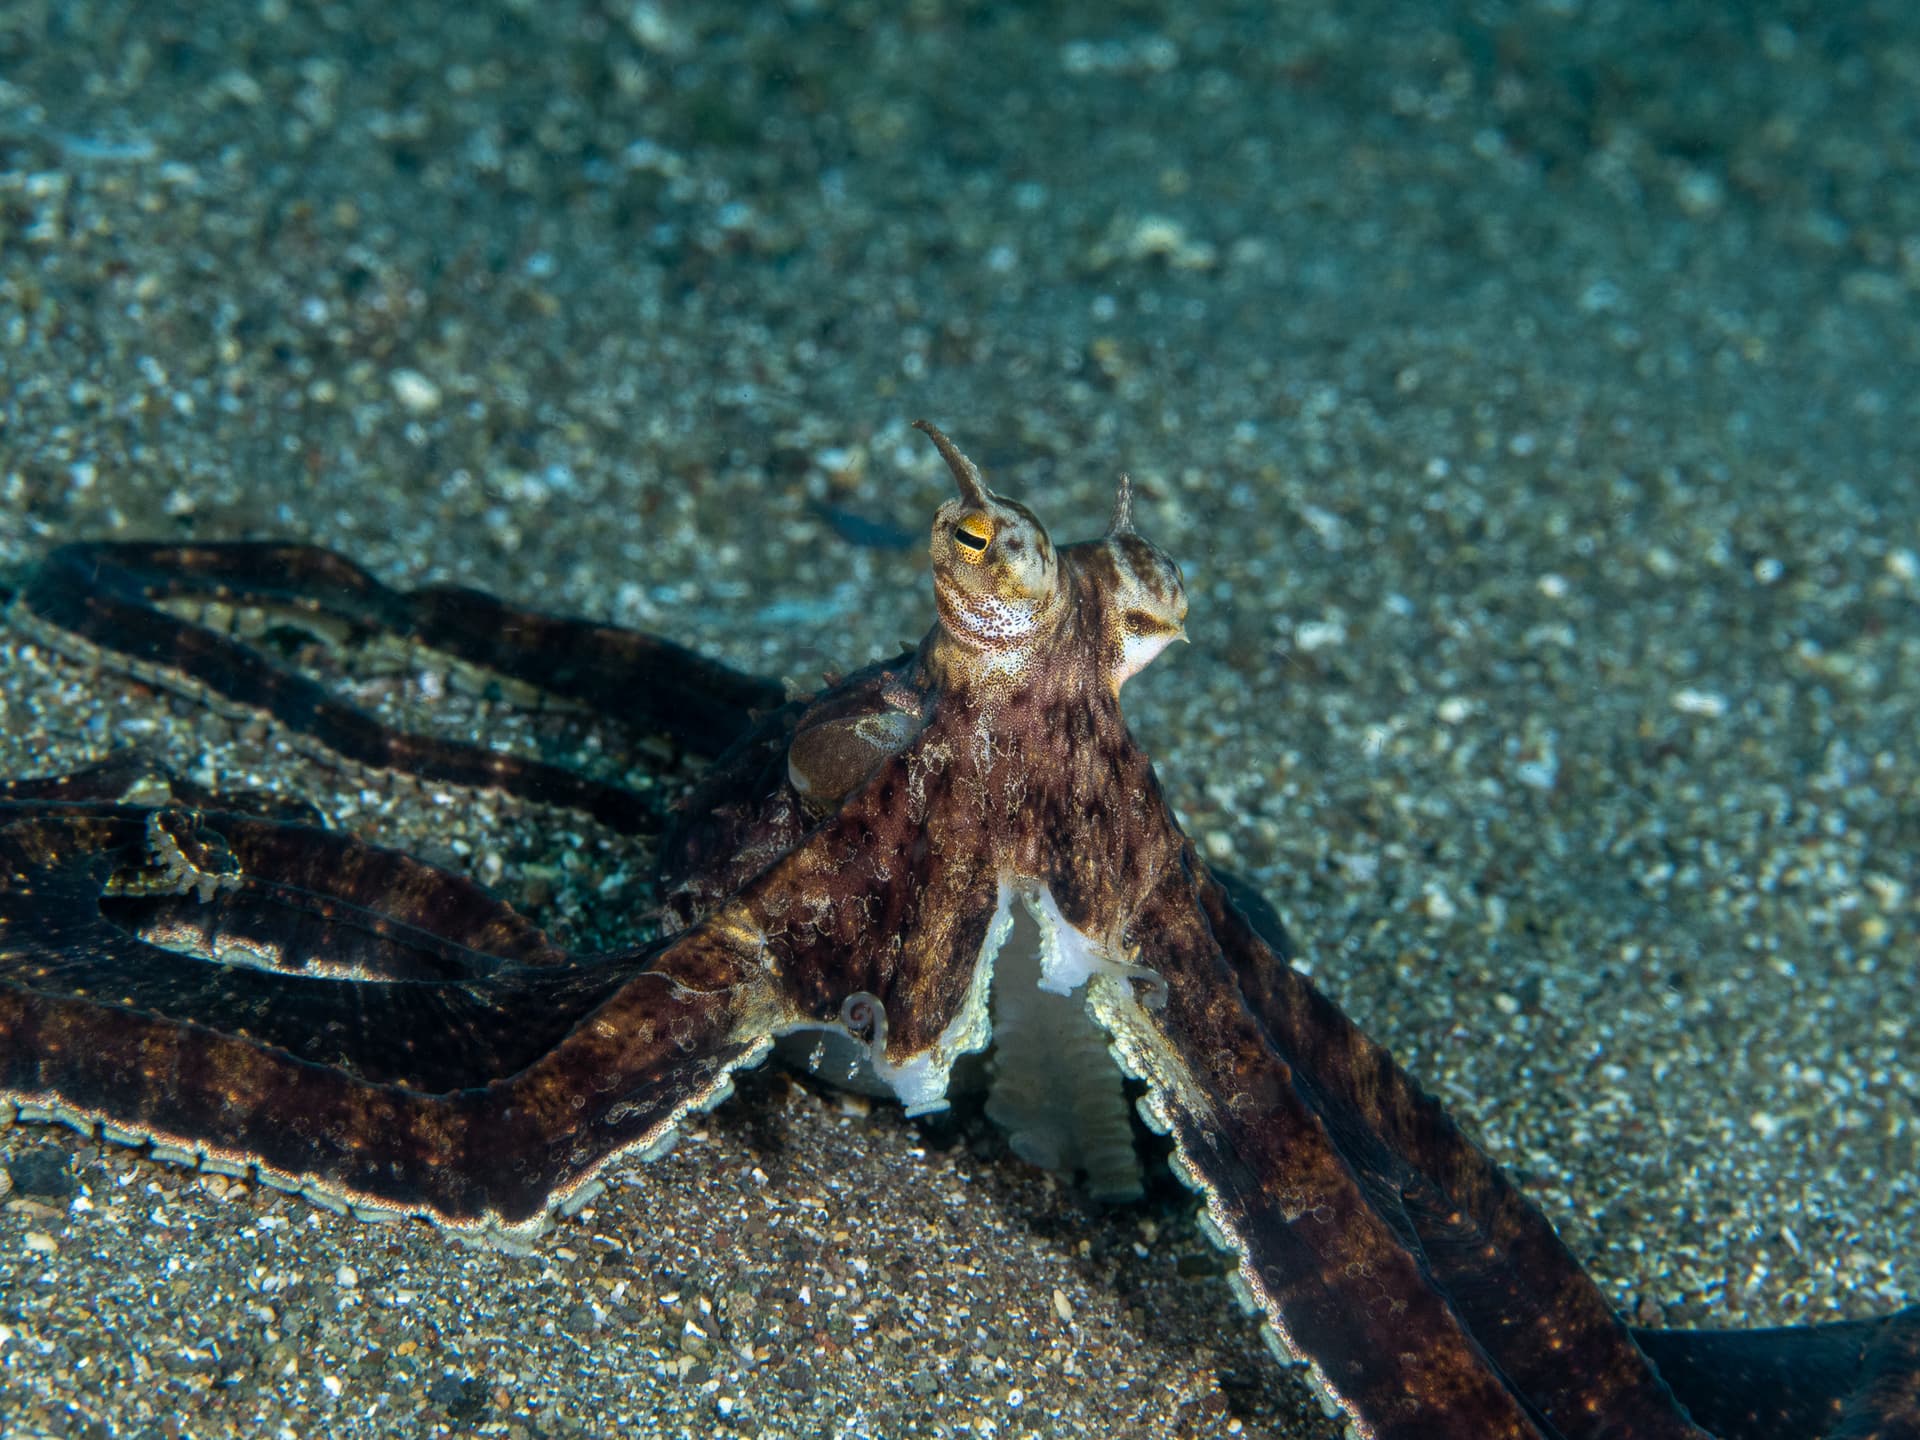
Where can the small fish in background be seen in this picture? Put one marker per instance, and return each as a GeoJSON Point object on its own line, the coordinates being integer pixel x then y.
{"type": "Point", "coordinates": [844, 470]}
{"type": "Point", "coordinates": [864, 531]}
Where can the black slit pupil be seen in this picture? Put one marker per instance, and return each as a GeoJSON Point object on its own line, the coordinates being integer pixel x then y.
{"type": "Point", "coordinates": [970, 540]}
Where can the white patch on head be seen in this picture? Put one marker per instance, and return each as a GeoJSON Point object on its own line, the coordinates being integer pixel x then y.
{"type": "Point", "coordinates": [1138, 651]}
{"type": "Point", "coordinates": [1001, 619]}
{"type": "Point", "coordinates": [991, 619]}
{"type": "Point", "coordinates": [1149, 604]}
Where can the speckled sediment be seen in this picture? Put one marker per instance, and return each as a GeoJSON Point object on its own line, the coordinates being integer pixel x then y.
{"type": "Point", "coordinates": [1519, 386]}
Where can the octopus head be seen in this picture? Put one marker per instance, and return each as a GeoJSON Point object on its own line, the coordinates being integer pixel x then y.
{"type": "Point", "coordinates": [1142, 598]}
{"type": "Point", "coordinates": [996, 575]}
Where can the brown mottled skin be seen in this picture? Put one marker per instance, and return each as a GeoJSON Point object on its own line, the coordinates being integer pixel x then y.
{"type": "Point", "coordinates": [398, 1042]}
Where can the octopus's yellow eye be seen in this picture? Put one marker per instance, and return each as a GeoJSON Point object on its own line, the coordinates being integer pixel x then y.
{"type": "Point", "coordinates": [973, 535]}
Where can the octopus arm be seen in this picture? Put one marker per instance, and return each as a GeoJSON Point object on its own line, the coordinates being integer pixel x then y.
{"type": "Point", "coordinates": [478, 1091]}
{"type": "Point", "coordinates": [338, 952]}
{"type": "Point", "coordinates": [1402, 1281]}
{"type": "Point", "coordinates": [1885, 1404]}
{"type": "Point", "coordinates": [1526, 1299]}
{"type": "Point", "coordinates": [97, 586]}
{"type": "Point", "coordinates": [105, 601]}
{"type": "Point", "coordinates": [1296, 1127]}
{"type": "Point", "coordinates": [1852, 1378]}
{"type": "Point", "coordinates": [488, 1163]}
{"type": "Point", "coordinates": [1502, 1269]}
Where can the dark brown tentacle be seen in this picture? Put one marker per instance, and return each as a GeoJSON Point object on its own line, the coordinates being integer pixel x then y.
{"type": "Point", "coordinates": [128, 777]}
{"type": "Point", "coordinates": [480, 1102]}
{"type": "Point", "coordinates": [235, 948]}
{"type": "Point", "coordinates": [641, 680]}
{"type": "Point", "coordinates": [344, 885]}
{"type": "Point", "coordinates": [1308, 1143]}
{"type": "Point", "coordinates": [111, 781]}
{"type": "Point", "coordinates": [270, 885]}
{"type": "Point", "coordinates": [1886, 1404]}
{"type": "Point", "coordinates": [104, 595]}
{"type": "Point", "coordinates": [1516, 1289]}
{"type": "Point", "coordinates": [1786, 1383]}
{"type": "Point", "coordinates": [1506, 1273]}
{"type": "Point", "coordinates": [489, 1160]}
{"type": "Point", "coordinates": [1337, 1281]}
{"type": "Point", "coordinates": [739, 819]}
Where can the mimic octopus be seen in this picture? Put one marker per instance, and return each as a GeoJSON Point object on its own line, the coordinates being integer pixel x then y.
{"type": "Point", "coordinates": [238, 990]}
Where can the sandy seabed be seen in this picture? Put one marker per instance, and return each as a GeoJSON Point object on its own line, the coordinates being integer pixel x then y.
{"type": "Point", "coordinates": [1520, 386]}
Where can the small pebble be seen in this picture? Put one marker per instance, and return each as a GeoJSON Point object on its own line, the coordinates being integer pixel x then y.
{"type": "Point", "coordinates": [1704, 703]}
{"type": "Point", "coordinates": [415, 392]}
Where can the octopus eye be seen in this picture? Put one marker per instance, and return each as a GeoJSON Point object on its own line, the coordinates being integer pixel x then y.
{"type": "Point", "coordinates": [973, 535]}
